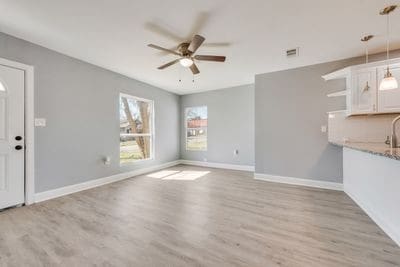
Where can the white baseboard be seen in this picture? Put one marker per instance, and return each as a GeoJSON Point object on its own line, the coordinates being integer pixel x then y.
{"type": "Point", "coordinates": [66, 190]}
{"type": "Point", "coordinates": [392, 232]}
{"type": "Point", "coordinates": [299, 181]}
{"type": "Point", "coordinates": [218, 165]}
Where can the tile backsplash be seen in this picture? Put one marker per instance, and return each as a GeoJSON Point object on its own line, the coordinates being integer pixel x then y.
{"type": "Point", "coordinates": [363, 128]}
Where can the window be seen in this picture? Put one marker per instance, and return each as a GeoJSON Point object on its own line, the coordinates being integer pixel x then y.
{"type": "Point", "coordinates": [136, 129]}
{"type": "Point", "coordinates": [196, 128]}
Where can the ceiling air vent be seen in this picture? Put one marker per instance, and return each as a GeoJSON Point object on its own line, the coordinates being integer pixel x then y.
{"type": "Point", "coordinates": [292, 52]}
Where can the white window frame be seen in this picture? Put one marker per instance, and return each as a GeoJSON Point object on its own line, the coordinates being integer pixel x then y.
{"type": "Point", "coordinates": [186, 128]}
{"type": "Point", "coordinates": [151, 134]}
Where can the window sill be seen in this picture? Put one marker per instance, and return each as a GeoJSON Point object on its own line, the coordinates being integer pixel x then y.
{"type": "Point", "coordinates": [137, 162]}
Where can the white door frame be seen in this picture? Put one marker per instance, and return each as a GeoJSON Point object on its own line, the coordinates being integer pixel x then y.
{"type": "Point", "coordinates": [29, 127]}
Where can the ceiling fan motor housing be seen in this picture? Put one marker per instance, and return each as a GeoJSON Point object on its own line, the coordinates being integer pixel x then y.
{"type": "Point", "coordinates": [186, 51]}
{"type": "Point", "coordinates": [183, 48]}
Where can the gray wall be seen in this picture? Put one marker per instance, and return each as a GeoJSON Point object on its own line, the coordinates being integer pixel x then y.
{"type": "Point", "coordinates": [230, 125]}
{"type": "Point", "coordinates": [80, 103]}
{"type": "Point", "coordinates": [290, 108]}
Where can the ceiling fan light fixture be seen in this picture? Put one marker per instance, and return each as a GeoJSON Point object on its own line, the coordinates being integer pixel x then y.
{"type": "Point", "coordinates": [187, 57]}
{"type": "Point", "coordinates": [389, 82]}
{"type": "Point", "coordinates": [186, 62]}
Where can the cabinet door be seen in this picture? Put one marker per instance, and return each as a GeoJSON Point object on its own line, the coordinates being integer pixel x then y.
{"type": "Point", "coordinates": [389, 101]}
{"type": "Point", "coordinates": [364, 91]}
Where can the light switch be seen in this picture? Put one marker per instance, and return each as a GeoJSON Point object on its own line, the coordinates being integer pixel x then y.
{"type": "Point", "coordinates": [40, 122]}
{"type": "Point", "coordinates": [324, 128]}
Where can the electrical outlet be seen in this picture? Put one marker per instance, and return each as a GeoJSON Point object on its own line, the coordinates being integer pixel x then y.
{"type": "Point", "coordinates": [40, 122]}
{"type": "Point", "coordinates": [324, 128]}
{"type": "Point", "coordinates": [107, 160]}
{"type": "Point", "coordinates": [236, 152]}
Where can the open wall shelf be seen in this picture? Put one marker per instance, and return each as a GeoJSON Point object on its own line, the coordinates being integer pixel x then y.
{"type": "Point", "coordinates": [339, 93]}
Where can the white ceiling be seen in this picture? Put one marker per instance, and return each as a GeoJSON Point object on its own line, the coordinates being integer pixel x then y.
{"type": "Point", "coordinates": [113, 34]}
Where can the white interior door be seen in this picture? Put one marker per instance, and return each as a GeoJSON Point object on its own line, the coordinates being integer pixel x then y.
{"type": "Point", "coordinates": [12, 139]}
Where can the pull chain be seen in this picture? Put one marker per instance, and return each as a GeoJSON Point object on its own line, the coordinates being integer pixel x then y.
{"type": "Point", "coordinates": [366, 88]}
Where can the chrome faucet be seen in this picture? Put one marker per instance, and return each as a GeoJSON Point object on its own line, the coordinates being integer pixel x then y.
{"type": "Point", "coordinates": [393, 138]}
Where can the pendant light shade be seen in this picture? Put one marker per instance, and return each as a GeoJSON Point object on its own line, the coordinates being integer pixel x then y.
{"type": "Point", "coordinates": [186, 62]}
{"type": "Point", "coordinates": [388, 82]}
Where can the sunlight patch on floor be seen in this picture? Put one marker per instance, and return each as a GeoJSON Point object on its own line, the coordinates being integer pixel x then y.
{"type": "Point", "coordinates": [178, 175]}
{"type": "Point", "coordinates": [161, 174]}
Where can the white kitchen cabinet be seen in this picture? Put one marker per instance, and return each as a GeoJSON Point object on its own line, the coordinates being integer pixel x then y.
{"type": "Point", "coordinates": [363, 91]}
{"type": "Point", "coordinates": [362, 88]}
{"type": "Point", "coordinates": [389, 101]}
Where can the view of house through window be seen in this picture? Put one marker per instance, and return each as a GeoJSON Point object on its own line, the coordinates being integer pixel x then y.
{"type": "Point", "coordinates": [196, 128]}
{"type": "Point", "coordinates": [136, 129]}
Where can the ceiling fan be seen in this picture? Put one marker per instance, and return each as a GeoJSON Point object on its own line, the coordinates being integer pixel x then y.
{"type": "Point", "coordinates": [186, 53]}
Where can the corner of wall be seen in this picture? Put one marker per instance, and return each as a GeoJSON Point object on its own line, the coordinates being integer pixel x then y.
{"type": "Point", "coordinates": [180, 126]}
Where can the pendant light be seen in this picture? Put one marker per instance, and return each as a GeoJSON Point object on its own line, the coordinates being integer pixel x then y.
{"type": "Point", "coordinates": [388, 82]}
{"type": "Point", "coordinates": [365, 40]}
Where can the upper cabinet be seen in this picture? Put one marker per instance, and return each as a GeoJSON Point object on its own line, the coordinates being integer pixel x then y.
{"type": "Point", "coordinates": [389, 101]}
{"type": "Point", "coordinates": [362, 93]}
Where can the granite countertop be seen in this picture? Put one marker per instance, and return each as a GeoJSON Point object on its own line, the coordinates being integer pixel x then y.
{"type": "Point", "coordinates": [380, 149]}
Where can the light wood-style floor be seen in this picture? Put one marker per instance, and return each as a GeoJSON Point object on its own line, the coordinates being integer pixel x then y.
{"type": "Point", "coordinates": [192, 216]}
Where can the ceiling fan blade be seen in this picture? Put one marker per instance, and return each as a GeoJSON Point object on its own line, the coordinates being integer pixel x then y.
{"type": "Point", "coordinates": [164, 53]}
{"type": "Point", "coordinates": [210, 58]}
{"type": "Point", "coordinates": [218, 44]}
{"type": "Point", "coordinates": [199, 23]}
{"type": "Point", "coordinates": [168, 64]}
{"type": "Point", "coordinates": [161, 29]}
{"type": "Point", "coordinates": [194, 69]}
{"type": "Point", "coordinates": [164, 49]}
{"type": "Point", "coordinates": [196, 43]}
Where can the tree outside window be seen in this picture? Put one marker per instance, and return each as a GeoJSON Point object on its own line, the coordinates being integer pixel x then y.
{"type": "Point", "coordinates": [136, 128]}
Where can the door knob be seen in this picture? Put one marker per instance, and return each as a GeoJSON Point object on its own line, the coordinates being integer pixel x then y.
{"type": "Point", "coordinates": [18, 138]}
{"type": "Point", "coordinates": [18, 147]}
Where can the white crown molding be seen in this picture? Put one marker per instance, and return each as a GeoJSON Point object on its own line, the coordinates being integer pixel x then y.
{"type": "Point", "coordinates": [66, 190]}
{"type": "Point", "coordinates": [248, 168]}
{"type": "Point", "coordinates": [298, 181]}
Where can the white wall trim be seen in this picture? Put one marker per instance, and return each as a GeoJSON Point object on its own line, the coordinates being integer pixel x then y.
{"type": "Point", "coordinates": [298, 181]}
{"type": "Point", "coordinates": [386, 227]}
{"type": "Point", "coordinates": [218, 165]}
{"type": "Point", "coordinates": [29, 127]}
{"type": "Point", "coordinates": [66, 190]}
